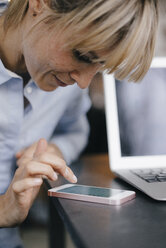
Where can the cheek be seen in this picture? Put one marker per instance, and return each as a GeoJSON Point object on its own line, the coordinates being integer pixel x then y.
{"type": "Point", "coordinates": [34, 51]}
{"type": "Point", "coordinates": [35, 61]}
{"type": "Point", "coordinates": [60, 60]}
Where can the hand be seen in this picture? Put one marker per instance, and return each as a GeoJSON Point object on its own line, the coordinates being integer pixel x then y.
{"type": "Point", "coordinates": [51, 156]}
{"type": "Point", "coordinates": [16, 202]}
{"type": "Point", "coordinates": [28, 152]}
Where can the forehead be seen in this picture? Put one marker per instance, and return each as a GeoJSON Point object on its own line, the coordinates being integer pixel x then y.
{"type": "Point", "coordinates": [77, 40]}
{"type": "Point", "coordinates": [69, 39]}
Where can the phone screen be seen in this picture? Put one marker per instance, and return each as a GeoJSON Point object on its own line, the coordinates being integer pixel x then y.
{"type": "Point", "coordinates": [93, 191]}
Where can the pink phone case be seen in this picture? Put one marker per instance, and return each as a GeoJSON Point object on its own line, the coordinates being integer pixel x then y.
{"type": "Point", "coordinates": [114, 200]}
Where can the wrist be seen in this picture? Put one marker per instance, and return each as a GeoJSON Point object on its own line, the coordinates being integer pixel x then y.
{"type": "Point", "coordinates": [8, 215]}
{"type": "Point", "coordinates": [3, 212]}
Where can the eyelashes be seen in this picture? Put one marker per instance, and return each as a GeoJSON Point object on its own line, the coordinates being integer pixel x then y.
{"type": "Point", "coordinates": [83, 58]}
{"type": "Point", "coordinates": [90, 58]}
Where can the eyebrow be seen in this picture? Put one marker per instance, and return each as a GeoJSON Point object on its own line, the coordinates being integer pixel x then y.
{"type": "Point", "coordinates": [91, 55]}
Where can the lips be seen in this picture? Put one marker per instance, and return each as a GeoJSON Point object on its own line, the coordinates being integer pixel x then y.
{"type": "Point", "coordinates": [60, 83]}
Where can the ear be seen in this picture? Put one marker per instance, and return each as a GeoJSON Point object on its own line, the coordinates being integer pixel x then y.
{"type": "Point", "coordinates": [36, 7]}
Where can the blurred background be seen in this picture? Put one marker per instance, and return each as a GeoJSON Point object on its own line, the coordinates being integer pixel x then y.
{"type": "Point", "coordinates": [34, 230]}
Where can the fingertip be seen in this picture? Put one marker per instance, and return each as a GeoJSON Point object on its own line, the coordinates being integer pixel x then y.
{"type": "Point", "coordinates": [69, 175]}
{"type": "Point", "coordinates": [55, 176]}
{"type": "Point", "coordinates": [41, 147]}
{"type": "Point", "coordinates": [43, 141]}
{"type": "Point", "coordinates": [75, 179]}
{"type": "Point", "coordinates": [38, 181]}
{"type": "Point", "coordinates": [18, 155]}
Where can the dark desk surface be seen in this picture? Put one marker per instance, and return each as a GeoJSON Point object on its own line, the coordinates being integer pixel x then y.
{"type": "Point", "coordinates": [140, 223]}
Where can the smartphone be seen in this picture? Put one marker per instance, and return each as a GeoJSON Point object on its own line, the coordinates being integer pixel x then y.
{"type": "Point", "coordinates": [92, 194]}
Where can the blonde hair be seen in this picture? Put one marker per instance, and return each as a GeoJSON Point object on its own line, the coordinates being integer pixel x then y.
{"type": "Point", "coordinates": [125, 29]}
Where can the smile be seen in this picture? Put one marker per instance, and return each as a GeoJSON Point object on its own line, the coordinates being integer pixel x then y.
{"type": "Point", "coordinates": [59, 82]}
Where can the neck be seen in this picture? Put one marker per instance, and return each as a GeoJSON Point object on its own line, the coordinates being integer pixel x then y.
{"type": "Point", "coordinates": [10, 49]}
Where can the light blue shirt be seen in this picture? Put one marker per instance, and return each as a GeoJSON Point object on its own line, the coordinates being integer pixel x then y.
{"type": "Point", "coordinates": [58, 116]}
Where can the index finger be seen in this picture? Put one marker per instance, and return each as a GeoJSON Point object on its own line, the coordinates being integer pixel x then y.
{"type": "Point", "coordinates": [58, 164]}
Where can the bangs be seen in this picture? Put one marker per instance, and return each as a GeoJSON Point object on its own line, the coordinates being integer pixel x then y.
{"type": "Point", "coordinates": [124, 32]}
{"type": "Point", "coordinates": [121, 32]}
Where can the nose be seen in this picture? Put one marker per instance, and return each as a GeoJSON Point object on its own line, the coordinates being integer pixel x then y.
{"type": "Point", "coordinates": [84, 76]}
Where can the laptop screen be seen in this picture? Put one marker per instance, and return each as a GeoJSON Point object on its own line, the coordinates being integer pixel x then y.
{"type": "Point", "coordinates": [142, 114]}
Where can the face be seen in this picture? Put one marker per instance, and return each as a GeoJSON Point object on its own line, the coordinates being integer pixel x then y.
{"type": "Point", "coordinates": [50, 66]}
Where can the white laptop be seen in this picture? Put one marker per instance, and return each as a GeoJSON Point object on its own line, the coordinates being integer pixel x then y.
{"type": "Point", "coordinates": [136, 129]}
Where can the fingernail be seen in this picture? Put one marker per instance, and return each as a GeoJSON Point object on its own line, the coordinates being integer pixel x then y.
{"type": "Point", "coordinates": [75, 179]}
{"type": "Point", "coordinates": [37, 180]}
{"type": "Point", "coordinates": [66, 172]}
{"type": "Point", "coordinates": [55, 176]}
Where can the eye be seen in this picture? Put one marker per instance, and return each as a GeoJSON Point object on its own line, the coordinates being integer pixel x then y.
{"type": "Point", "coordinates": [84, 58]}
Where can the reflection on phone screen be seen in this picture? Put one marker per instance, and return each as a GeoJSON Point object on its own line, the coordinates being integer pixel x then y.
{"type": "Point", "coordinates": [93, 191]}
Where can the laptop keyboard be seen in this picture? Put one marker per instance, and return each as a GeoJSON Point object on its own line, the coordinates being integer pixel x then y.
{"type": "Point", "coordinates": [151, 175]}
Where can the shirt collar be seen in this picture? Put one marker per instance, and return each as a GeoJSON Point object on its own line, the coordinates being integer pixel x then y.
{"type": "Point", "coordinates": [6, 74]}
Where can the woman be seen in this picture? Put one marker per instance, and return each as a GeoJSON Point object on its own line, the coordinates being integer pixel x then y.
{"type": "Point", "coordinates": [50, 50]}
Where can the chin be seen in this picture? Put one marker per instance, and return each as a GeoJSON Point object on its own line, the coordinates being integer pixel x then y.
{"type": "Point", "coordinates": [47, 87]}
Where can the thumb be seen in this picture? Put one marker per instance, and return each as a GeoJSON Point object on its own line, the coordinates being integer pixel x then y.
{"type": "Point", "coordinates": [40, 147]}
{"type": "Point", "coordinates": [19, 154]}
